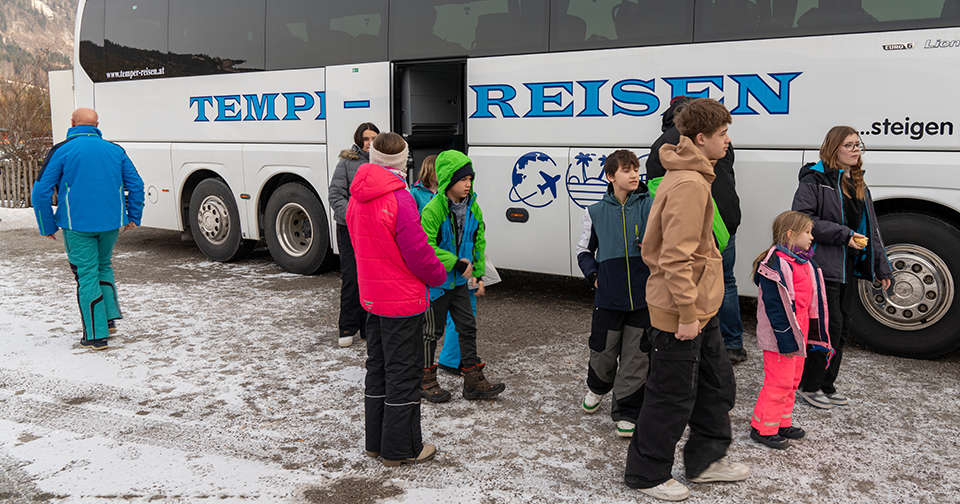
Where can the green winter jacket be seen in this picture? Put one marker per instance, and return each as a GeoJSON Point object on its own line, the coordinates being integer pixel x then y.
{"type": "Point", "coordinates": [439, 222]}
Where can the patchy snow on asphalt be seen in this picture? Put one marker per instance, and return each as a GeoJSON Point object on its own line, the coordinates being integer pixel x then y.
{"type": "Point", "coordinates": [225, 384]}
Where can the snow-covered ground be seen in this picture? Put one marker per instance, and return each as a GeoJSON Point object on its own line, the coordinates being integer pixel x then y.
{"type": "Point", "coordinates": [225, 385]}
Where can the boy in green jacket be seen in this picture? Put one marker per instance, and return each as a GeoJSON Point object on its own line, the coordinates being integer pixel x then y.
{"type": "Point", "coordinates": [454, 226]}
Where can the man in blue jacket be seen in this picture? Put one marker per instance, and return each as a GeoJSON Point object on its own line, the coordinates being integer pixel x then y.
{"type": "Point", "coordinates": [99, 194]}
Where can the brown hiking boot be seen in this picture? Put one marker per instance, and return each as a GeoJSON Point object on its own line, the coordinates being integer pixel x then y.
{"type": "Point", "coordinates": [476, 386]}
{"type": "Point", "coordinates": [431, 390]}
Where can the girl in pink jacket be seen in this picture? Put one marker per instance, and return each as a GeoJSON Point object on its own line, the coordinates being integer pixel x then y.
{"type": "Point", "coordinates": [791, 314]}
{"type": "Point", "coordinates": [394, 267]}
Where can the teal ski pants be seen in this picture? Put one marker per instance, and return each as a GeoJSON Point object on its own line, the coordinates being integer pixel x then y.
{"type": "Point", "coordinates": [90, 256]}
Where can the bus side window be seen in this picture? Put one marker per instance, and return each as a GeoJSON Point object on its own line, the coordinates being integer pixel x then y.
{"type": "Point", "coordinates": [594, 24]}
{"type": "Point", "coordinates": [311, 33]}
{"type": "Point", "coordinates": [835, 12]}
{"type": "Point", "coordinates": [91, 40]}
{"type": "Point", "coordinates": [215, 36]}
{"type": "Point", "coordinates": [135, 39]}
{"type": "Point", "coordinates": [450, 28]}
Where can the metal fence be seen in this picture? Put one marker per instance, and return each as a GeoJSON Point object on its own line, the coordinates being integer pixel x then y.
{"type": "Point", "coordinates": [16, 183]}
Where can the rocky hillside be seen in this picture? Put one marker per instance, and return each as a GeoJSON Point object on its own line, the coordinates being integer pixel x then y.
{"type": "Point", "coordinates": [36, 30]}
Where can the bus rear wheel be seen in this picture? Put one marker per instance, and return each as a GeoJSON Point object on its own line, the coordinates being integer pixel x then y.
{"type": "Point", "coordinates": [919, 316]}
{"type": "Point", "coordinates": [296, 230]}
{"type": "Point", "coordinates": [215, 222]}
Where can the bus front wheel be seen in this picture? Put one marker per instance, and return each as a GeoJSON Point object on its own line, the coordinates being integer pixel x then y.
{"type": "Point", "coordinates": [296, 230]}
{"type": "Point", "coordinates": [919, 316]}
{"type": "Point", "coordinates": [215, 222]}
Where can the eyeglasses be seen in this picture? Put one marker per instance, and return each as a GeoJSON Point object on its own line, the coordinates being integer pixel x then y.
{"type": "Point", "coordinates": [855, 146]}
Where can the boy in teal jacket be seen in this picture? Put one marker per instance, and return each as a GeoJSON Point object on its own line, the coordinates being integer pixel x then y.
{"type": "Point", "coordinates": [453, 223]}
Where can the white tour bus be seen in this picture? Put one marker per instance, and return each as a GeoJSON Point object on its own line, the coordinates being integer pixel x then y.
{"type": "Point", "coordinates": [235, 112]}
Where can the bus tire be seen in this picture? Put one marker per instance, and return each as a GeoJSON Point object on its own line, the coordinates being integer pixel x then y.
{"type": "Point", "coordinates": [215, 222]}
{"type": "Point", "coordinates": [919, 316]}
{"type": "Point", "coordinates": [296, 230]}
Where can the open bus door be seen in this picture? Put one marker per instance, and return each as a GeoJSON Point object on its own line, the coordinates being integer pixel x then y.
{"type": "Point", "coordinates": [429, 109]}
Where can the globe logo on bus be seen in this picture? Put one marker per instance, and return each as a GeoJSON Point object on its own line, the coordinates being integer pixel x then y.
{"type": "Point", "coordinates": [586, 183]}
{"type": "Point", "coordinates": [534, 180]}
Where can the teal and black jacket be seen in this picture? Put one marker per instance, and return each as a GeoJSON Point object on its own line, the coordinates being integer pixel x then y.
{"type": "Point", "coordinates": [98, 188]}
{"type": "Point", "coordinates": [609, 249]}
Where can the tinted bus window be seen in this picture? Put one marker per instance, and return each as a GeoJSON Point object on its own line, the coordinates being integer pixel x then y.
{"type": "Point", "coordinates": [135, 39]}
{"type": "Point", "coordinates": [752, 19]}
{"type": "Point", "coordinates": [215, 36]}
{"type": "Point", "coordinates": [91, 40]}
{"type": "Point", "coordinates": [444, 28]}
{"type": "Point", "coordinates": [312, 33]}
{"type": "Point", "coordinates": [592, 24]}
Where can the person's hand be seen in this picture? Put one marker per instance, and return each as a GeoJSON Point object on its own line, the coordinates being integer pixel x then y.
{"type": "Point", "coordinates": [885, 282]}
{"type": "Point", "coordinates": [128, 227]}
{"type": "Point", "coordinates": [52, 236]}
{"type": "Point", "coordinates": [792, 354]}
{"type": "Point", "coordinates": [468, 273]}
{"type": "Point", "coordinates": [478, 283]}
{"type": "Point", "coordinates": [853, 241]}
{"type": "Point", "coordinates": [688, 331]}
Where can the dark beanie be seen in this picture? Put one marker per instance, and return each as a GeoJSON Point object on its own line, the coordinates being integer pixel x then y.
{"type": "Point", "coordinates": [464, 171]}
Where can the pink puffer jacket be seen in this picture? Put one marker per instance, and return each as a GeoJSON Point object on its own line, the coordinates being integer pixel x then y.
{"type": "Point", "coordinates": [394, 262]}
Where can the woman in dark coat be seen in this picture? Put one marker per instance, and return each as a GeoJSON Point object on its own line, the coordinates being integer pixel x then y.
{"type": "Point", "coordinates": [353, 317]}
{"type": "Point", "coordinates": [848, 248]}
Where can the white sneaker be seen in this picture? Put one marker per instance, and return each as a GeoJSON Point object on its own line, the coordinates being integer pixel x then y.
{"type": "Point", "coordinates": [723, 470]}
{"type": "Point", "coordinates": [591, 402]}
{"type": "Point", "coordinates": [837, 399]}
{"type": "Point", "coordinates": [816, 399]}
{"type": "Point", "coordinates": [346, 341]}
{"type": "Point", "coordinates": [625, 428]}
{"type": "Point", "coordinates": [671, 490]}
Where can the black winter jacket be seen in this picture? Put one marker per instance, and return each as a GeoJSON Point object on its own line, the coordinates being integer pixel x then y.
{"type": "Point", "coordinates": [819, 196]}
{"type": "Point", "coordinates": [724, 189]}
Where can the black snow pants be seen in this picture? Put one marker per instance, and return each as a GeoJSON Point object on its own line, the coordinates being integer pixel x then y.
{"type": "Point", "coordinates": [689, 382]}
{"type": "Point", "coordinates": [392, 394]}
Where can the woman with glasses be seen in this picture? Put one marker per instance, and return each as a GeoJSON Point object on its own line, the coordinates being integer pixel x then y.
{"type": "Point", "coordinates": [848, 248]}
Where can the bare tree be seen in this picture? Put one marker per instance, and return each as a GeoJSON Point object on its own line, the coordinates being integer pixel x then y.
{"type": "Point", "coordinates": [25, 130]}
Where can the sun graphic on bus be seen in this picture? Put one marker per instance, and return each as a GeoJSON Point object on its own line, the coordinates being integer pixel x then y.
{"type": "Point", "coordinates": [585, 181]}
{"type": "Point", "coordinates": [534, 180]}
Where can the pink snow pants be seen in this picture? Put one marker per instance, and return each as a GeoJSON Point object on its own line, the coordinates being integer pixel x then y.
{"type": "Point", "coordinates": [774, 409]}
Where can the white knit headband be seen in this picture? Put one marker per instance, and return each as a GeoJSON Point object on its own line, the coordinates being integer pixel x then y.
{"type": "Point", "coordinates": [396, 161]}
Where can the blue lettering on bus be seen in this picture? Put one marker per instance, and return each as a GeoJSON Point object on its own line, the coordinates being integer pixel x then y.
{"type": "Point", "coordinates": [539, 99]}
{"type": "Point", "coordinates": [485, 101]}
{"type": "Point", "coordinates": [591, 98]}
{"type": "Point", "coordinates": [621, 94]}
{"type": "Point", "coordinates": [259, 107]}
{"type": "Point", "coordinates": [225, 104]}
{"type": "Point", "coordinates": [293, 107]}
{"type": "Point", "coordinates": [633, 97]}
{"type": "Point", "coordinates": [201, 101]}
{"type": "Point", "coordinates": [753, 85]}
{"type": "Point", "coordinates": [680, 86]}
{"type": "Point", "coordinates": [355, 104]}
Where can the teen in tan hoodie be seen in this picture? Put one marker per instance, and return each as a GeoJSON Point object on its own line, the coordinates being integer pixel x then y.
{"type": "Point", "coordinates": [691, 379]}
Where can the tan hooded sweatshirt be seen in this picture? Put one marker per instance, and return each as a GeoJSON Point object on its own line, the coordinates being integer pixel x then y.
{"type": "Point", "coordinates": [686, 270]}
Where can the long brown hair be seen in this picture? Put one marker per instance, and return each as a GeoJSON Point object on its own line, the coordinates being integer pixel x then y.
{"type": "Point", "coordinates": [428, 171]}
{"type": "Point", "coordinates": [853, 186]}
{"type": "Point", "coordinates": [787, 221]}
